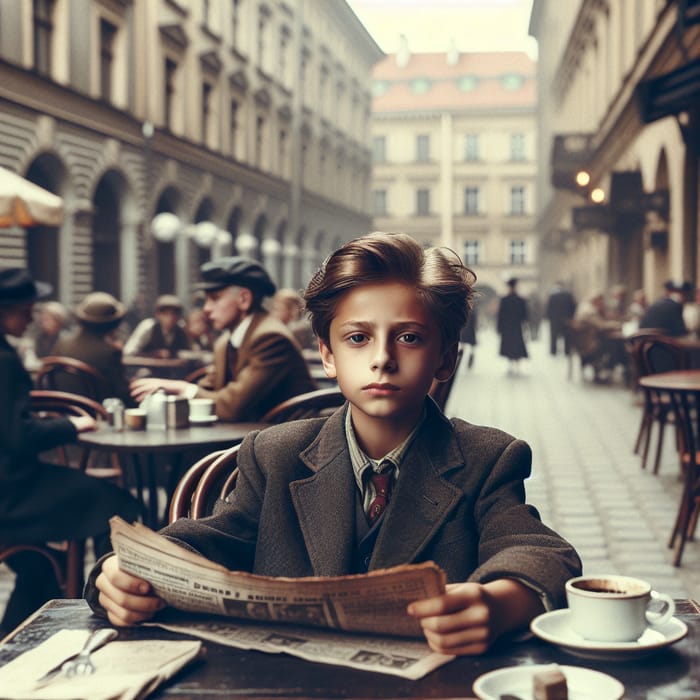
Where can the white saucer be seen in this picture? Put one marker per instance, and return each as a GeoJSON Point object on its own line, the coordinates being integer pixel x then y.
{"type": "Point", "coordinates": [204, 420]}
{"type": "Point", "coordinates": [554, 627]}
{"type": "Point", "coordinates": [582, 683]}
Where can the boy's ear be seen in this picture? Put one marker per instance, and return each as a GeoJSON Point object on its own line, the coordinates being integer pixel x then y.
{"type": "Point", "coordinates": [327, 359]}
{"type": "Point", "coordinates": [447, 365]}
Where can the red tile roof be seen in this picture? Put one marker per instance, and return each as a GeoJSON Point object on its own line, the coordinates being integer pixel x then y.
{"type": "Point", "coordinates": [488, 69]}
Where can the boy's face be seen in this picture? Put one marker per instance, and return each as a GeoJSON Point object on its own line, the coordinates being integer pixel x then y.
{"type": "Point", "coordinates": [227, 307]}
{"type": "Point", "coordinates": [168, 319]}
{"type": "Point", "coordinates": [385, 350]}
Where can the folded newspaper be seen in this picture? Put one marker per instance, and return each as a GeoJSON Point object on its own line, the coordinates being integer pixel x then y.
{"type": "Point", "coordinates": [374, 602]}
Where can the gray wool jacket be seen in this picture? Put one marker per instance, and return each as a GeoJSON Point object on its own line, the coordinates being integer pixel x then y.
{"type": "Point", "coordinates": [459, 501]}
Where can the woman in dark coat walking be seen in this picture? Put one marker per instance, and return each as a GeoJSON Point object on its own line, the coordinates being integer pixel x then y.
{"type": "Point", "coordinates": [512, 313]}
{"type": "Point", "coordinates": [41, 502]}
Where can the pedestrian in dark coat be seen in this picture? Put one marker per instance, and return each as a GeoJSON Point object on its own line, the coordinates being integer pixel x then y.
{"type": "Point", "coordinates": [561, 307]}
{"type": "Point", "coordinates": [666, 313]}
{"type": "Point", "coordinates": [41, 502]}
{"type": "Point", "coordinates": [512, 313]}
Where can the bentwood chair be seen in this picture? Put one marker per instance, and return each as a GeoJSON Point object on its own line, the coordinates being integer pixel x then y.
{"type": "Point", "coordinates": [59, 373]}
{"type": "Point", "coordinates": [687, 418]}
{"type": "Point", "coordinates": [181, 500]}
{"type": "Point", "coordinates": [312, 404]}
{"type": "Point", "coordinates": [207, 481]}
{"type": "Point", "coordinates": [659, 354]}
{"type": "Point", "coordinates": [54, 403]}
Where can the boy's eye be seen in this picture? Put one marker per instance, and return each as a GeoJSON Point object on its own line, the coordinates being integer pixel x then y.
{"type": "Point", "coordinates": [409, 338]}
{"type": "Point", "coordinates": [357, 338]}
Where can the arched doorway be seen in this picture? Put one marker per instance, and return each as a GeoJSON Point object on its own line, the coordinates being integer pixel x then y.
{"type": "Point", "coordinates": [106, 230]}
{"type": "Point", "coordinates": [164, 251]}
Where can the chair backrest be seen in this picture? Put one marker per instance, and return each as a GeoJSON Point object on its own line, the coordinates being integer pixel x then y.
{"type": "Point", "coordinates": [440, 391]}
{"type": "Point", "coordinates": [312, 404]}
{"type": "Point", "coordinates": [66, 403]}
{"type": "Point", "coordinates": [661, 354]}
{"type": "Point", "coordinates": [181, 501]}
{"type": "Point", "coordinates": [633, 346]}
{"type": "Point", "coordinates": [218, 480]}
{"type": "Point", "coordinates": [66, 373]}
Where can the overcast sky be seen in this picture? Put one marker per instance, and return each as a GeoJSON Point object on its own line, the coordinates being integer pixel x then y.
{"type": "Point", "coordinates": [429, 25]}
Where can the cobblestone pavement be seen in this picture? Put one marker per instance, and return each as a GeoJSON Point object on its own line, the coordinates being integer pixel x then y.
{"type": "Point", "coordinates": [586, 482]}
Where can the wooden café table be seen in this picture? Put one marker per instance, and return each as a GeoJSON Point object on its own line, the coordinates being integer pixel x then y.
{"type": "Point", "coordinates": [226, 672]}
{"type": "Point", "coordinates": [144, 445]}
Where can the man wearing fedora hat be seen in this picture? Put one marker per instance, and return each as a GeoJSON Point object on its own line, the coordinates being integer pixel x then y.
{"type": "Point", "coordinates": [41, 502]}
{"type": "Point", "coordinates": [99, 315]}
{"type": "Point", "coordinates": [257, 361]}
{"type": "Point", "coordinates": [162, 335]}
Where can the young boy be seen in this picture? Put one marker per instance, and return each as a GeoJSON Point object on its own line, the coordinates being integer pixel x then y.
{"type": "Point", "coordinates": [388, 315]}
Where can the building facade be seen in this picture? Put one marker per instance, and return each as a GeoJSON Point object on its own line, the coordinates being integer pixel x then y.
{"type": "Point", "coordinates": [619, 107]}
{"type": "Point", "coordinates": [177, 130]}
{"type": "Point", "coordinates": [454, 158]}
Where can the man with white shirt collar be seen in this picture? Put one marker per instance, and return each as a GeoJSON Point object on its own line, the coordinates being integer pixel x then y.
{"type": "Point", "coordinates": [257, 362]}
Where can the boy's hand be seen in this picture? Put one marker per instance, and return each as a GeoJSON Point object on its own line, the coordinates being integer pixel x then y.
{"type": "Point", "coordinates": [469, 617]}
{"type": "Point", "coordinates": [141, 388]}
{"type": "Point", "coordinates": [127, 599]}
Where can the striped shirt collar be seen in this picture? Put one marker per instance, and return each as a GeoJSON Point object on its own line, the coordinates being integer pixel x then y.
{"type": "Point", "coordinates": [361, 462]}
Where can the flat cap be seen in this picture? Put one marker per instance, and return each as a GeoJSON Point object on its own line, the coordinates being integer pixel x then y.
{"type": "Point", "coordinates": [238, 271]}
{"type": "Point", "coordinates": [168, 301]}
{"type": "Point", "coordinates": [17, 286]}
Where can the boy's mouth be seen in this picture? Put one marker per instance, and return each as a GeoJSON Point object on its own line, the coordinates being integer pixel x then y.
{"type": "Point", "coordinates": [380, 389]}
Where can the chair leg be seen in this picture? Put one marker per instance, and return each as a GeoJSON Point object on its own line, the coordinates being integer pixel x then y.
{"type": "Point", "coordinates": [660, 443]}
{"type": "Point", "coordinates": [643, 428]}
{"type": "Point", "coordinates": [75, 569]}
{"type": "Point", "coordinates": [647, 441]}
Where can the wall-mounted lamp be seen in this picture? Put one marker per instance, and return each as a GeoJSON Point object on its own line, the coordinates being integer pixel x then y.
{"type": "Point", "coordinates": [597, 195]}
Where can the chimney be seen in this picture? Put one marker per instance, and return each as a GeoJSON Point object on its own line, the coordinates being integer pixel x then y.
{"type": "Point", "coordinates": [452, 53]}
{"type": "Point", "coordinates": [404, 55]}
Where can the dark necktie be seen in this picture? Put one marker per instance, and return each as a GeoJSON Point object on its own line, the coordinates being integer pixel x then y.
{"type": "Point", "coordinates": [382, 485]}
{"type": "Point", "coordinates": [231, 359]}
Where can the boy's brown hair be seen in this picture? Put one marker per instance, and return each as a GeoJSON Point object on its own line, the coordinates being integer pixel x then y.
{"type": "Point", "coordinates": [442, 280]}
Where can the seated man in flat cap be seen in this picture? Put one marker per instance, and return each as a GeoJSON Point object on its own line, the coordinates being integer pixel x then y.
{"type": "Point", "coordinates": [257, 361]}
{"type": "Point", "coordinates": [163, 335]}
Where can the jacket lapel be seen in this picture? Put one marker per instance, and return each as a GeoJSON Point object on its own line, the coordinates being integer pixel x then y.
{"type": "Point", "coordinates": [421, 501]}
{"type": "Point", "coordinates": [325, 501]}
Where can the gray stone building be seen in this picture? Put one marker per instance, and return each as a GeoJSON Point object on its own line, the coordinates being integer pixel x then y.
{"type": "Point", "coordinates": [176, 130]}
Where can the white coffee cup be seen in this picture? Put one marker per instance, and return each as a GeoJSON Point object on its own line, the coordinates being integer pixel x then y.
{"type": "Point", "coordinates": [201, 409]}
{"type": "Point", "coordinates": [612, 608]}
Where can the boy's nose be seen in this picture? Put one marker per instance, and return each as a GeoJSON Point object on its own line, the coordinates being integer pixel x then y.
{"type": "Point", "coordinates": [383, 358]}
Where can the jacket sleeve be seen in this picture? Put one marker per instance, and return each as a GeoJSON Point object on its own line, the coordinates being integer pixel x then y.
{"type": "Point", "coordinates": [269, 356]}
{"type": "Point", "coordinates": [513, 541]}
{"type": "Point", "coordinates": [22, 435]}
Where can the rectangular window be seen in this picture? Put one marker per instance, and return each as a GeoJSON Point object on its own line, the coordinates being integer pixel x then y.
{"type": "Point", "coordinates": [423, 202]}
{"type": "Point", "coordinates": [379, 202]}
{"type": "Point", "coordinates": [517, 146]}
{"type": "Point", "coordinates": [471, 147]}
{"type": "Point", "coordinates": [471, 201]}
{"type": "Point", "coordinates": [282, 151]}
{"type": "Point", "coordinates": [259, 140]}
{"type": "Point", "coordinates": [169, 92]}
{"type": "Point", "coordinates": [423, 148]}
{"type": "Point", "coordinates": [233, 126]}
{"type": "Point", "coordinates": [206, 110]}
{"type": "Point", "coordinates": [107, 33]}
{"type": "Point", "coordinates": [263, 26]}
{"type": "Point", "coordinates": [472, 250]}
{"type": "Point", "coordinates": [379, 149]}
{"type": "Point", "coordinates": [517, 201]}
{"type": "Point", "coordinates": [517, 252]}
{"type": "Point", "coordinates": [43, 35]}
{"type": "Point", "coordinates": [235, 21]}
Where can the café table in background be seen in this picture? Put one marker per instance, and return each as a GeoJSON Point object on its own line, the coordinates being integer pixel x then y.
{"type": "Point", "coordinates": [142, 446]}
{"type": "Point", "coordinates": [166, 367]}
{"type": "Point", "coordinates": [670, 673]}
